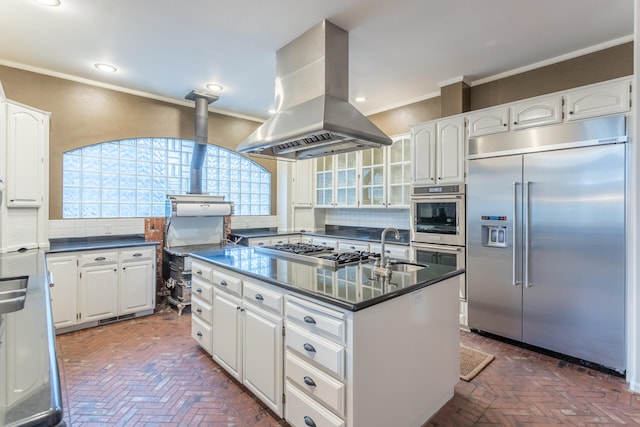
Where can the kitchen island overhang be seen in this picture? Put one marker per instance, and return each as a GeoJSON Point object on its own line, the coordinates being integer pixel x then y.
{"type": "Point", "coordinates": [284, 273]}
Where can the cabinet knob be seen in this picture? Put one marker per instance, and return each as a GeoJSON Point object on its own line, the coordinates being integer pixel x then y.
{"type": "Point", "coordinates": [570, 112]}
{"type": "Point", "coordinates": [308, 381]}
{"type": "Point", "coordinates": [199, 290]}
{"type": "Point", "coordinates": [309, 421]}
{"type": "Point", "coordinates": [309, 347]}
{"type": "Point", "coordinates": [199, 310]}
{"type": "Point", "coordinates": [199, 272]}
{"type": "Point", "coordinates": [199, 333]}
{"type": "Point", "coordinates": [505, 125]}
{"type": "Point", "coordinates": [223, 283]}
{"type": "Point", "coordinates": [309, 319]}
{"type": "Point", "coordinates": [515, 123]}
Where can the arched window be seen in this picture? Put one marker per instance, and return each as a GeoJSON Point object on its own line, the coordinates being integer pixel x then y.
{"type": "Point", "coordinates": [132, 177]}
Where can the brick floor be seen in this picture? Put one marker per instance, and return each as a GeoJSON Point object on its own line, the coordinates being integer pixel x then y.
{"type": "Point", "coordinates": [149, 372]}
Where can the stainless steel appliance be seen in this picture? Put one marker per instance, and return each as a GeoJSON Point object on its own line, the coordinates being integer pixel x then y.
{"type": "Point", "coordinates": [546, 238]}
{"type": "Point", "coordinates": [319, 255]}
{"type": "Point", "coordinates": [438, 214]}
{"type": "Point", "coordinates": [193, 222]}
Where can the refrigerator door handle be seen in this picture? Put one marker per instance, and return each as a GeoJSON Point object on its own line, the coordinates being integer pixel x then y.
{"type": "Point", "coordinates": [514, 281]}
{"type": "Point", "coordinates": [526, 196]}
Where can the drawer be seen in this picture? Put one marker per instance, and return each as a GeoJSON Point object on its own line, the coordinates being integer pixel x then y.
{"type": "Point", "coordinates": [266, 298]}
{"type": "Point", "coordinates": [137, 254]}
{"type": "Point", "coordinates": [201, 289]}
{"type": "Point", "coordinates": [302, 411]}
{"type": "Point", "coordinates": [201, 332]}
{"type": "Point", "coordinates": [203, 271]}
{"type": "Point", "coordinates": [201, 309]}
{"type": "Point", "coordinates": [229, 283]}
{"type": "Point", "coordinates": [313, 347]}
{"type": "Point", "coordinates": [316, 383]}
{"type": "Point", "coordinates": [97, 258]}
{"type": "Point", "coordinates": [317, 318]}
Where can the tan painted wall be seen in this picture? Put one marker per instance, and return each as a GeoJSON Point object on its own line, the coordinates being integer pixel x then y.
{"type": "Point", "coordinates": [82, 115]}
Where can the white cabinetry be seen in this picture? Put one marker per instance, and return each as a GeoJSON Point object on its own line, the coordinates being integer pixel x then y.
{"type": "Point", "coordinates": [385, 175]}
{"type": "Point", "coordinates": [303, 184]}
{"type": "Point", "coordinates": [397, 252]}
{"type": "Point", "coordinates": [438, 152]}
{"type": "Point", "coordinates": [494, 120]}
{"type": "Point", "coordinates": [599, 100]}
{"type": "Point", "coordinates": [245, 329]}
{"type": "Point", "coordinates": [24, 172]}
{"type": "Point", "coordinates": [96, 285]}
{"type": "Point", "coordinates": [536, 112]}
{"type": "Point", "coordinates": [273, 240]}
{"type": "Point", "coordinates": [337, 180]}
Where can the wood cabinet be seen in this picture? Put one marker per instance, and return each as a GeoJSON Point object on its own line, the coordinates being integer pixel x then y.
{"type": "Point", "coordinates": [24, 177]}
{"type": "Point", "coordinates": [437, 152]}
{"type": "Point", "coordinates": [101, 285]}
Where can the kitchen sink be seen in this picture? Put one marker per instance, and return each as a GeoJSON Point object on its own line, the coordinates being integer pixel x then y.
{"type": "Point", "coordinates": [13, 292]}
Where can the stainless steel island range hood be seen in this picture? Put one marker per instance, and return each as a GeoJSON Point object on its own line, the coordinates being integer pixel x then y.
{"type": "Point", "coordinates": [314, 117]}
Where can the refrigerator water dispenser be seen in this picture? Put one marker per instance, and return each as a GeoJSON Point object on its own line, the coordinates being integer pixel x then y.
{"type": "Point", "coordinates": [494, 236]}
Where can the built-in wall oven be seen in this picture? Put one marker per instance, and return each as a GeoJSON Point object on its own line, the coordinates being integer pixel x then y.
{"type": "Point", "coordinates": [438, 230]}
{"type": "Point", "coordinates": [438, 214]}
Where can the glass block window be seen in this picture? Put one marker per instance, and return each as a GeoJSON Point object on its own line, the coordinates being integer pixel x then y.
{"type": "Point", "coordinates": [132, 177]}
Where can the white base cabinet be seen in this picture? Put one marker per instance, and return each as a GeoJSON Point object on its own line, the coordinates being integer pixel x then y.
{"type": "Point", "coordinates": [94, 286]}
{"type": "Point", "coordinates": [336, 372]}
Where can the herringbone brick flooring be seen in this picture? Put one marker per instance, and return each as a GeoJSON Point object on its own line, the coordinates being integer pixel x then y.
{"type": "Point", "coordinates": [149, 372]}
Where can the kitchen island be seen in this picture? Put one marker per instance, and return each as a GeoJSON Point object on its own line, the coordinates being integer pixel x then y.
{"type": "Point", "coordinates": [29, 381]}
{"type": "Point", "coordinates": [359, 349]}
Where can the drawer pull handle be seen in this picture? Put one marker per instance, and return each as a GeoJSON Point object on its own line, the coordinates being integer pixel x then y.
{"type": "Point", "coordinates": [259, 297]}
{"type": "Point", "coordinates": [137, 254]}
{"type": "Point", "coordinates": [309, 421]}
{"type": "Point", "coordinates": [199, 333]}
{"type": "Point", "coordinates": [199, 290]}
{"type": "Point", "coordinates": [100, 258]}
{"type": "Point", "coordinates": [309, 347]}
{"type": "Point", "coordinates": [309, 319]}
{"type": "Point", "coordinates": [308, 381]}
{"type": "Point", "coordinates": [223, 283]}
{"type": "Point", "coordinates": [199, 272]}
{"type": "Point", "coordinates": [199, 310]}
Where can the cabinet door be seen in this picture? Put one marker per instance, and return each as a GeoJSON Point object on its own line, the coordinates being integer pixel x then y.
{"type": "Point", "coordinates": [423, 148]}
{"type": "Point", "coordinates": [541, 111]}
{"type": "Point", "coordinates": [372, 178]}
{"type": "Point", "coordinates": [303, 184]}
{"type": "Point", "coordinates": [399, 172]}
{"type": "Point", "coordinates": [599, 100]}
{"type": "Point", "coordinates": [136, 284]}
{"type": "Point", "coordinates": [98, 292]}
{"type": "Point", "coordinates": [25, 156]}
{"type": "Point", "coordinates": [227, 333]}
{"type": "Point", "coordinates": [487, 122]}
{"type": "Point", "coordinates": [346, 184]}
{"type": "Point", "coordinates": [450, 151]}
{"type": "Point", "coordinates": [324, 181]}
{"type": "Point", "coordinates": [64, 289]}
{"type": "Point", "coordinates": [263, 348]}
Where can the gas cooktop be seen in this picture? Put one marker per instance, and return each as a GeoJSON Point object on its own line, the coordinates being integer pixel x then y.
{"type": "Point", "coordinates": [322, 256]}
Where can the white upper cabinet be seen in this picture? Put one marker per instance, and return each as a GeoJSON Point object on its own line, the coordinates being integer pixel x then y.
{"type": "Point", "coordinates": [450, 154]}
{"type": "Point", "coordinates": [399, 172]}
{"type": "Point", "coordinates": [337, 181]}
{"type": "Point", "coordinates": [27, 136]}
{"type": "Point", "coordinates": [484, 122]}
{"type": "Point", "coordinates": [303, 184]}
{"type": "Point", "coordinates": [423, 153]}
{"type": "Point", "coordinates": [599, 100]}
{"type": "Point", "coordinates": [536, 112]}
{"type": "Point", "coordinates": [373, 178]}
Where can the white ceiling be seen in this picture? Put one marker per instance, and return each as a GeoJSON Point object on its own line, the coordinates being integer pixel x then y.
{"type": "Point", "coordinates": [401, 51]}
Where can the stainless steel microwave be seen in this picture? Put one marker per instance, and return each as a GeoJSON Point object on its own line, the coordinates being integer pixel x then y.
{"type": "Point", "coordinates": [438, 214]}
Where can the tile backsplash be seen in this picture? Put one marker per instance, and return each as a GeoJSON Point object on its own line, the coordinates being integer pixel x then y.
{"type": "Point", "coordinates": [61, 228]}
{"type": "Point", "coordinates": [376, 218]}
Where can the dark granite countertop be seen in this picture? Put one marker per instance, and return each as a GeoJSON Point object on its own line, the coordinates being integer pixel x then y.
{"type": "Point", "coordinates": [368, 234]}
{"type": "Point", "coordinates": [97, 242]}
{"type": "Point", "coordinates": [29, 377]}
{"type": "Point", "coordinates": [352, 287]}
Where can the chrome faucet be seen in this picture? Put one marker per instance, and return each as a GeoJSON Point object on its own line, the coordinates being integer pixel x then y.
{"type": "Point", "coordinates": [384, 260]}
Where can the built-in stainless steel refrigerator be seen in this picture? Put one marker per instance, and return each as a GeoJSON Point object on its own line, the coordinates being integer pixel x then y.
{"type": "Point", "coordinates": [546, 238]}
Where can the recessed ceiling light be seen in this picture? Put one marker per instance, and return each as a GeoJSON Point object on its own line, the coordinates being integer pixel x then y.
{"type": "Point", "coordinates": [272, 110]}
{"type": "Point", "coordinates": [48, 2]}
{"type": "Point", "coordinates": [215, 87]}
{"type": "Point", "coordinates": [361, 99]}
{"type": "Point", "coordinates": [106, 68]}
